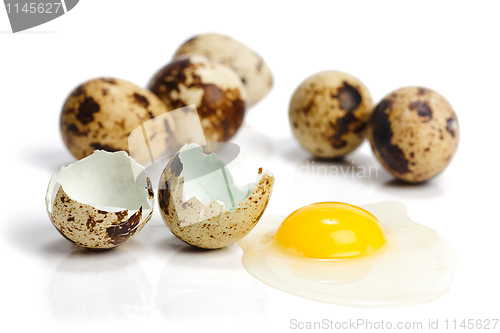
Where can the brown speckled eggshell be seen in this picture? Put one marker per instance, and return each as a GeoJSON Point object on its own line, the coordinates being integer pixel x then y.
{"type": "Point", "coordinates": [101, 114]}
{"type": "Point", "coordinates": [328, 114]}
{"type": "Point", "coordinates": [414, 133]}
{"type": "Point", "coordinates": [89, 227]}
{"type": "Point", "coordinates": [215, 232]}
{"type": "Point", "coordinates": [214, 88]}
{"type": "Point", "coordinates": [252, 69]}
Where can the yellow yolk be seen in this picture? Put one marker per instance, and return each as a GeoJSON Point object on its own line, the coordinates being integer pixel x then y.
{"type": "Point", "coordinates": [330, 230]}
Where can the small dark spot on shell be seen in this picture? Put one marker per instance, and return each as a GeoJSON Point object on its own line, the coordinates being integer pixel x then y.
{"type": "Point", "coordinates": [422, 91]}
{"type": "Point", "coordinates": [451, 126]}
{"type": "Point", "coordinates": [349, 97]}
{"type": "Point", "coordinates": [108, 80]}
{"type": "Point", "coordinates": [412, 154]}
{"type": "Point", "coordinates": [86, 110]}
{"type": "Point", "coordinates": [105, 91]}
{"type": "Point", "coordinates": [102, 212]}
{"type": "Point", "coordinates": [423, 109]}
{"type": "Point", "coordinates": [342, 126]}
{"type": "Point", "coordinates": [73, 129]}
{"type": "Point", "coordinates": [71, 219]}
{"type": "Point", "coordinates": [119, 233]}
{"type": "Point", "coordinates": [121, 215]}
{"type": "Point", "coordinates": [141, 100]}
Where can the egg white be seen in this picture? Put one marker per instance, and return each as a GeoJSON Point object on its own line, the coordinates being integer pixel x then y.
{"type": "Point", "coordinates": [415, 266]}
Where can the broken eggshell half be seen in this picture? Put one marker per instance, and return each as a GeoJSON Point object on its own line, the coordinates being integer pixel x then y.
{"type": "Point", "coordinates": [202, 206]}
{"type": "Point", "coordinates": [100, 201]}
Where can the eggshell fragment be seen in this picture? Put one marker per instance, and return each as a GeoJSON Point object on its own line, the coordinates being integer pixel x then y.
{"type": "Point", "coordinates": [252, 69]}
{"type": "Point", "coordinates": [101, 114]}
{"type": "Point", "coordinates": [215, 90]}
{"type": "Point", "coordinates": [414, 133]}
{"type": "Point", "coordinates": [101, 201]}
{"type": "Point", "coordinates": [209, 226]}
{"type": "Point", "coordinates": [329, 112]}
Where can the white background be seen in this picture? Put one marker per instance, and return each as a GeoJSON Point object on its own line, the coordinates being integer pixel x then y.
{"type": "Point", "coordinates": [157, 282]}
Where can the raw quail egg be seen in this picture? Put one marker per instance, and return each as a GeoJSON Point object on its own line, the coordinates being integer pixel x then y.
{"type": "Point", "coordinates": [202, 206]}
{"type": "Point", "coordinates": [100, 201]}
{"type": "Point", "coordinates": [328, 114]}
{"type": "Point", "coordinates": [215, 90]}
{"type": "Point", "coordinates": [414, 133]}
{"type": "Point", "coordinates": [103, 112]}
{"type": "Point", "coordinates": [338, 253]}
{"type": "Point", "coordinates": [250, 66]}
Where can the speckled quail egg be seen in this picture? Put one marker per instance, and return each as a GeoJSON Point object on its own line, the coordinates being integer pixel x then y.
{"type": "Point", "coordinates": [328, 114]}
{"type": "Point", "coordinates": [215, 90]}
{"type": "Point", "coordinates": [100, 201]}
{"type": "Point", "coordinates": [414, 133]}
{"type": "Point", "coordinates": [103, 112]}
{"type": "Point", "coordinates": [202, 206]}
{"type": "Point", "coordinates": [252, 69]}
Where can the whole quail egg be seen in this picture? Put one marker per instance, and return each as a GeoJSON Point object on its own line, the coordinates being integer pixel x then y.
{"type": "Point", "coordinates": [215, 90]}
{"type": "Point", "coordinates": [414, 133]}
{"type": "Point", "coordinates": [103, 112]}
{"type": "Point", "coordinates": [250, 66]}
{"type": "Point", "coordinates": [328, 113]}
{"type": "Point", "coordinates": [100, 201]}
{"type": "Point", "coordinates": [202, 206]}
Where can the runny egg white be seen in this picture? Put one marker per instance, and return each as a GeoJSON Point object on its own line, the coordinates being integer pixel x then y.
{"type": "Point", "coordinates": [337, 253]}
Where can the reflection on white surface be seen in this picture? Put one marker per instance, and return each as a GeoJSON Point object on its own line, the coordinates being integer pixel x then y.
{"type": "Point", "coordinates": [97, 286]}
{"type": "Point", "coordinates": [203, 284]}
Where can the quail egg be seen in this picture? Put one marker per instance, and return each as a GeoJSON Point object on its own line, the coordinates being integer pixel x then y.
{"type": "Point", "coordinates": [100, 201]}
{"type": "Point", "coordinates": [414, 133]}
{"type": "Point", "coordinates": [103, 112]}
{"type": "Point", "coordinates": [250, 66]}
{"type": "Point", "coordinates": [328, 114]}
{"type": "Point", "coordinates": [202, 206]}
{"type": "Point", "coordinates": [215, 90]}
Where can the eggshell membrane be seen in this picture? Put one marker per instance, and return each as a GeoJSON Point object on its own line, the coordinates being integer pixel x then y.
{"type": "Point", "coordinates": [211, 226]}
{"type": "Point", "coordinates": [252, 69]}
{"type": "Point", "coordinates": [103, 112]}
{"type": "Point", "coordinates": [414, 133]}
{"type": "Point", "coordinates": [329, 112]}
{"type": "Point", "coordinates": [215, 90]}
{"type": "Point", "coordinates": [91, 226]}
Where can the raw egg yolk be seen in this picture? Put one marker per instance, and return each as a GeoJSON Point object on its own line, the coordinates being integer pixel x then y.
{"type": "Point", "coordinates": [330, 230]}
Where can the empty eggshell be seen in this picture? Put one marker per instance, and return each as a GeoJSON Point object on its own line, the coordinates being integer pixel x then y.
{"type": "Point", "coordinates": [206, 219]}
{"type": "Point", "coordinates": [101, 201]}
{"type": "Point", "coordinates": [250, 66]}
{"type": "Point", "coordinates": [215, 90]}
{"type": "Point", "coordinates": [414, 133]}
{"type": "Point", "coordinates": [328, 113]}
{"type": "Point", "coordinates": [101, 114]}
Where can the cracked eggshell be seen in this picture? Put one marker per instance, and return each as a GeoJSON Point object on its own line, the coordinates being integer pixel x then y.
{"type": "Point", "coordinates": [252, 69]}
{"type": "Point", "coordinates": [215, 90]}
{"type": "Point", "coordinates": [101, 201]}
{"type": "Point", "coordinates": [209, 226]}
{"type": "Point", "coordinates": [103, 112]}
{"type": "Point", "coordinates": [329, 112]}
{"type": "Point", "coordinates": [414, 133]}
